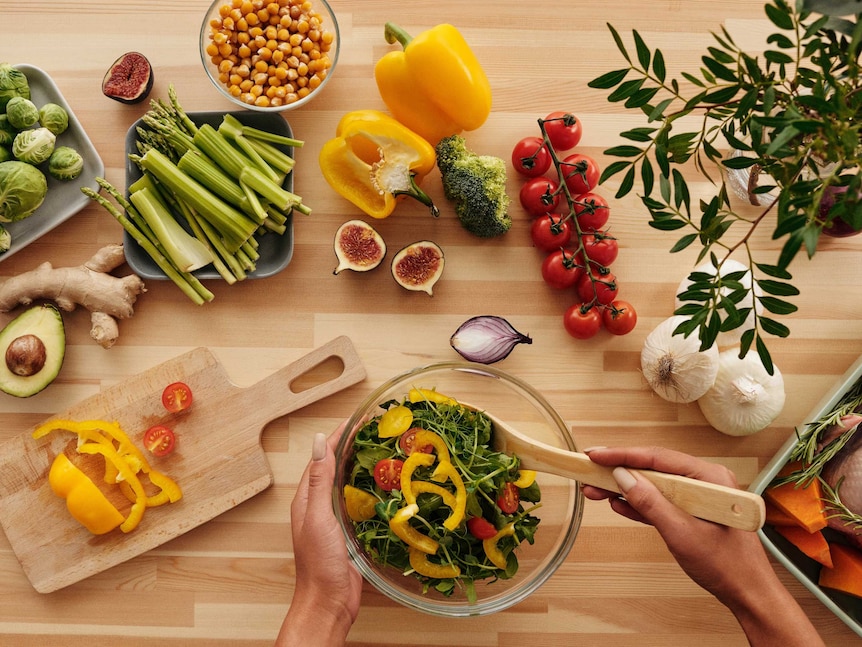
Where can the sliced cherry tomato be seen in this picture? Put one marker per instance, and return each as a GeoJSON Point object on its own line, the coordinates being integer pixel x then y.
{"type": "Point", "coordinates": [592, 211]}
{"type": "Point", "coordinates": [540, 195]}
{"type": "Point", "coordinates": [582, 321]}
{"type": "Point", "coordinates": [387, 473]}
{"type": "Point", "coordinates": [600, 248]}
{"type": "Point", "coordinates": [160, 440]}
{"type": "Point", "coordinates": [177, 397]}
{"type": "Point", "coordinates": [562, 269]}
{"type": "Point", "coordinates": [530, 157]}
{"type": "Point", "coordinates": [619, 317]}
{"type": "Point", "coordinates": [407, 442]}
{"type": "Point", "coordinates": [481, 528]}
{"type": "Point", "coordinates": [581, 173]}
{"type": "Point", "coordinates": [601, 289]}
{"type": "Point", "coordinates": [551, 231]}
{"type": "Point", "coordinates": [563, 129]}
{"type": "Point", "coordinates": [509, 499]}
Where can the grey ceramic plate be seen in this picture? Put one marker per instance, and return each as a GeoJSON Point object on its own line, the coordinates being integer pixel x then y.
{"type": "Point", "coordinates": [64, 199]}
{"type": "Point", "coordinates": [275, 250]}
{"type": "Point", "coordinates": [847, 607]}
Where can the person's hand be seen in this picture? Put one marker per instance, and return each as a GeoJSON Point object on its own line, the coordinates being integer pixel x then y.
{"type": "Point", "coordinates": [328, 586]}
{"type": "Point", "coordinates": [729, 563]}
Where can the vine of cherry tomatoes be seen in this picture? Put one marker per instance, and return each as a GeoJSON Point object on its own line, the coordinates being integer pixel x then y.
{"type": "Point", "coordinates": [570, 226]}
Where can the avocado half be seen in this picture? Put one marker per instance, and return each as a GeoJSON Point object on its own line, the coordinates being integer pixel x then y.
{"type": "Point", "coordinates": [33, 346]}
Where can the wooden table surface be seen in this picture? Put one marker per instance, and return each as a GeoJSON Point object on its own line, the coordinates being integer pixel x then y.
{"type": "Point", "coordinates": [230, 581]}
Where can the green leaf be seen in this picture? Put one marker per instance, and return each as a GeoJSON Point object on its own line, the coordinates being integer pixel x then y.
{"type": "Point", "coordinates": [627, 183]}
{"type": "Point", "coordinates": [773, 327]}
{"type": "Point", "coordinates": [780, 40]}
{"type": "Point", "coordinates": [612, 169]}
{"type": "Point", "coordinates": [693, 79]}
{"type": "Point", "coordinates": [658, 110]}
{"type": "Point", "coordinates": [638, 134]}
{"type": "Point", "coordinates": [779, 58]}
{"type": "Point", "coordinates": [745, 342]}
{"type": "Point", "coordinates": [642, 50]}
{"type": "Point", "coordinates": [608, 80]}
{"type": "Point", "coordinates": [763, 353]}
{"type": "Point", "coordinates": [619, 42]}
{"type": "Point", "coordinates": [625, 90]}
{"type": "Point", "coordinates": [719, 70]}
{"type": "Point", "coordinates": [624, 151]}
{"type": "Point", "coordinates": [721, 96]}
{"type": "Point", "coordinates": [782, 138]}
{"type": "Point", "coordinates": [683, 242]}
{"type": "Point", "coordinates": [777, 306]}
{"type": "Point", "coordinates": [647, 176]}
{"type": "Point", "coordinates": [739, 162]}
{"type": "Point", "coordinates": [658, 66]}
{"type": "Point", "coordinates": [778, 288]}
{"type": "Point", "coordinates": [774, 271]}
{"type": "Point", "coordinates": [779, 18]}
{"type": "Point", "coordinates": [680, 188]}
{"type": "Point", "coordinates": [641, 97]}
{"type": "Point", "coordinates": [668, 225]}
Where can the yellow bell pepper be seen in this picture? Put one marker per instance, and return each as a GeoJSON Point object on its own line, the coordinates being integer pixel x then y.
{"type": "Point", "coordinates": [448, 470]}
{"type": "Point", "coordinates": [394, 421]}
{"type": "Point", "coordinates": [424, 437]}
{"type": "Point", "coordinates": [492, 550]}
{"type": "Point", "coordinates": [374, 160]}
{"type": "Point", "coordinates": [525, 478]}
{"type": "Point", "coordinates": [400, 525]}
{"type": "Point", "coordinates": [419, 562]}
{"type": "Point", "coordinates": [359, 503]}
{"type": "Point", "coordinates": [415, 460]}
{"type": "Point", "coordinates": [84, 500]}
{"type": "Point", "coordinates": [426, 487]}
{"type": "Point", "coordinates": [435, 86]}
{"type": "Point", "coordinates": [430, 395]}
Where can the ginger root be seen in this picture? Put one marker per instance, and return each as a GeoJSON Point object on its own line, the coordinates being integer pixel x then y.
{"type": "Point", "coordinates": [90, 285]}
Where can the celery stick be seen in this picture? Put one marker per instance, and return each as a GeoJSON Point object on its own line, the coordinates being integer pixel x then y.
{"type": "Point", "coordinates": [262, 135]}
{"type": "Point", "coordinates": [274, 157]}
{"type": "Point", "coordinates": [201, 168]}
{"type": "Point", "coordinates": [279, 197]}
{"type": "Point", "coordinates": [217, 243]}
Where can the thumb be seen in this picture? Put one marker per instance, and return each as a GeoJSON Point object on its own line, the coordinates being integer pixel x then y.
{"type": "Point", "coordinates": [321, 474]}
{"type": "Point", "coordinates": [646, 499]}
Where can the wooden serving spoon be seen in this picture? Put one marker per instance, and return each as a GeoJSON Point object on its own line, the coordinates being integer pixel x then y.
{"type": "Point", "coordinates": [724, 505]}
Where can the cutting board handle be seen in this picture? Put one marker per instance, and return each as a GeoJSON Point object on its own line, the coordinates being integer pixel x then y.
{"type": "Point", "coordinates": [275, 396]}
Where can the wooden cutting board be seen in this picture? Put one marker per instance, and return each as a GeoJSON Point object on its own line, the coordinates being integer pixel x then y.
{"type": "Point", "coordinates": [219, 461]}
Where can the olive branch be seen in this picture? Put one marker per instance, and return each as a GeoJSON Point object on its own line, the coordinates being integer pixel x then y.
{"type": "Point", "coordinates": [794, 117]}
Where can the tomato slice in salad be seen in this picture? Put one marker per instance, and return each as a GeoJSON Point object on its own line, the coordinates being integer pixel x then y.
{"type": "Point", "coordinates": [481, 528]}
{"type": "Point", "coordinates": [509, 498]}
{"type": "Point", "coordinates": [177, 397]}
{"type": "Point", "coordinates": [387, 473]}
{"type": "Point", "coordinates": [160, 440]}
{"type": "Point", "coordinates": [407, 442]}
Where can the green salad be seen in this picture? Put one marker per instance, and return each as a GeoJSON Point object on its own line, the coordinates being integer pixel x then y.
{"type": "Point", "coordinates": [427, 494]}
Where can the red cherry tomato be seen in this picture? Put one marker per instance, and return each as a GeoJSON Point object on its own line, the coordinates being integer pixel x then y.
{"type": "Point", "coordinates": [619, 317]}
{"type": "Point", "coordinates": [387, 473]}
{"type": "Point", "coordinates": [582, 321]}
{"type": "Point", "coordinates": [563, 130]}
{"type": "Point", "coordinates": [481, 528]}
{"type": "Point", "coordinates": [550, 232]}
{"type": "Point", "coordinates": [592, 211]}
{"type": "Point", "coordinates": [509, 498]}
{"type": "Point", "coordinates": [601, 289]}
{"type": "Point", "coordinates": [177, 397]}
{"type": "Point", "coordinates": [160, 440]}
{"type": "Point", "coordinates": [561, 269]}
{"type": "Point", "coordinates": [540, 195]}
{"type": "Point", "coordinates": [600, 248]}
{"type": "Point", "coordinates": [530, 157]}
{"type": "Point", "coordinates": [407, 442]}
{"type": "Point", "coordinates": [581, 173]}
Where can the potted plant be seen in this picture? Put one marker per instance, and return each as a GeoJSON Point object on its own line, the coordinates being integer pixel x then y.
{"type": "Point", "coordinates": [794, 117]}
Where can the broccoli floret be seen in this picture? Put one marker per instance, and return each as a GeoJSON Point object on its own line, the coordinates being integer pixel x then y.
{"type": "Point", "coordinates": [477, 186]}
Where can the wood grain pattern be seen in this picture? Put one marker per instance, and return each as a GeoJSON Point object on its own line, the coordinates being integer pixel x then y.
{"type": "Point", "coordinates": [230, 581]}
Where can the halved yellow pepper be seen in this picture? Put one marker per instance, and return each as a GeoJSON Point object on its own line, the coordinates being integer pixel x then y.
{"type": "Point", "coordinates": [435, 85]}
{"type": "Point", "coordinates": [525, 478]}
{"type": "Point", "coordinates": [394, 421]}
{"type": "Point", "coordinates": [419, 562]}
{"type": "Point", "coordinates": [359, 503]}
{"type": "Point", "coordinates": [430, 395]}
{"type": "Point", "coordinates": [492, 550]}
{"type": "Point", "coordinates": [448, 470]}
{"type": "Point", "coordinates": [415, 460]}
{"type": "Point", "coordinates": [373, 160]}
{"type": "Point", "coordinates": [87, 504]}
{"type": "Point", "coordinates": [400, 525]}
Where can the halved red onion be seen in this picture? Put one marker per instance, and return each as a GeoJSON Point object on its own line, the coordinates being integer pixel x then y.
{"type": "Point", "coordinates": [486, 339]}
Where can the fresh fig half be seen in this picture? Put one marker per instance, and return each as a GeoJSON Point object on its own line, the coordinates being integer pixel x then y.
{"type": "Point", "coordinates": [129, 79]}
{"type": "Point", "coordinates": [358, 247]}
{"type": "Point", "coordinates": [418, 266]}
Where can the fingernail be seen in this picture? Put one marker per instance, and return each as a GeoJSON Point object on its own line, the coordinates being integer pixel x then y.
{"type": "Point", "coordinates": [587, 450]}
{"type": "Point", "coordinates": [624, 479]}
{"type": "Point", "coordinates": [318, 448]}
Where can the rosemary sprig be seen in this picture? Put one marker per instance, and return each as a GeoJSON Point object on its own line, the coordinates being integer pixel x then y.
{"type": "Point", "coordinates": [836, 508]}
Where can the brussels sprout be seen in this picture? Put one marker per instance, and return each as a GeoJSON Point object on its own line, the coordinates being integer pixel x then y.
{"type": "Point", "coordinates": [5, 239]}
{"type": "Point", "coordinates": [22, 189]}
{"type": "Point", "coordinates": [65, 163]}
{"type": "Point", "coordinates": [22, 113]}
{"type": "Point", "coordinates": [54, 118]}
{"type": "Point", "coordinates": [6, 154]}
{"type": "Point", "coordinates": [34, 146]}
{"type": "Point", "coordinates": [13, 83]}
{"type": "Point", "coordinates": [7, 132]}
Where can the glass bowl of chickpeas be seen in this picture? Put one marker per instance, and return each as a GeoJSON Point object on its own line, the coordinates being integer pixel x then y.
{"type": "Point", "coordinates": [269, 55]}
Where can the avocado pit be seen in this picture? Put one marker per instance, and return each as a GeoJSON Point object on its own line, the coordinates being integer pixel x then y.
{"type": "Point", "coordinates": [26, 355]}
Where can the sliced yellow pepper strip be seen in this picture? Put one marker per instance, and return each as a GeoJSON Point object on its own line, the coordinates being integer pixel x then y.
{"type": "Point", "coordinates": [426, 487]}
{"type": "Point", "coordinates": [414, 461]}
{"type": "Point", "coordinates": [359, 503]}
{"type": "Point", "coordinates": [525, 478]}
{"type": "Point", "coordinates": [424, 437]}
{"type": "Point", "coordinates": [460, 508]}
{"type": "Point", "coordinates": [400, 525]}
{"type": "Point", "coordinates": [85, 501]}
{"type": "Point", "coordinates": [140, 504]}
{"type": "Point", "coordinates": [394, 422]}
{"type": "Point", "coordinates": [419, 562]}
{"type": "Point", "coordinates": [430, 395]}
{"type": "Point", "coordinates": [492, 551]}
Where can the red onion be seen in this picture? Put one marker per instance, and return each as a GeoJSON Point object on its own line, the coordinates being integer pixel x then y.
{"type": "Point", "coordinates": [486, 339]}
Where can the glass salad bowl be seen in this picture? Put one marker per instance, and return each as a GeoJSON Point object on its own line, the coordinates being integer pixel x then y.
{"type": "Point", "coordinates": [558, 513]}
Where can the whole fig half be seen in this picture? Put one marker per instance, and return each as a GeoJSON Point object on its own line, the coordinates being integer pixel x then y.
{"type": "Point", "coordinates": [418, 266]}
{"type": "Point", "coordinates": [358, 247]}
{"type": "Point", "coordinates": [129, 79]}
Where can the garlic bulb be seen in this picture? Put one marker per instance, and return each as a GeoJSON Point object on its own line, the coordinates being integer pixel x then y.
{"type": "Point", "coordinates": [745, 398]}
{"type": "Point", "coordinates": [674, 366]}
{"type": "Point", "coordinates": [731, 337]}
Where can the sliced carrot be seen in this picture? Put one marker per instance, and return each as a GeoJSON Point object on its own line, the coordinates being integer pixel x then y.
{"type": "Point", "coordinates": [846, 574]}
{"type": "Point", "coordinates": [804, 504]}
{"type": "Point", "coordinates": [813, 544]}
{"type": "Point", "coordinates": [775, 516]}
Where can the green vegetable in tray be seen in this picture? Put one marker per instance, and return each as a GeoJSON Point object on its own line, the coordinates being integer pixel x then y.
{"type": "Point", "coordinates": [22, 189]}
{"type": "Point", "coordinates": [7, 131]}
{"type": "Point", "coordinates": [22, 113]}
{"type": "Point", "coordinates": [5, 154]}
{"type": "Point", "coordinates": [34, 146]}
{"type": "Point", "coordinates": [65, 163]}
{"type": "Point", "coordinates": [5, 239]}
{"type": "Point", "coordinates": [54, 118]}
{"type": "Point", "coordinates": [13, 83]}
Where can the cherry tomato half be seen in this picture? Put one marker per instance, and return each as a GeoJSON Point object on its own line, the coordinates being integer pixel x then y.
{"type": "Point", "coordinates": [387, 473]}
{"type": "Point", "coordinates": [530, 157]}
{"type": "Point", "coordinates": [592, 211]}
{"type": "Point", "coordinates": [159, 440]}
{"type": "Point", "coordinates": [602, 288]}
{"type": "Point", "coordinates": [481, 528]}
{"type": "Point", "coordinates": [581, 173]}
{"type": "Point", "coordinates": [619, 317]}
{"type": "Point", "coordinates": [582, 321]}
{"type": "Point", "coordinates": [509, 498]}
{"type": "Point", "coordinates": [563, 129]}
{"type": "Point", "coordinates": [407, 442]}
{"type": "Point", "coordinates": [540, 195]}
{"type": "Point", "coordinates": [600, 248]}
{"type": "Point", "coordinates": [550, 232]}
{"type": "Point", "coordinates": [177, 397]}
{"type": "Point", "coordinates": [562, 269]}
